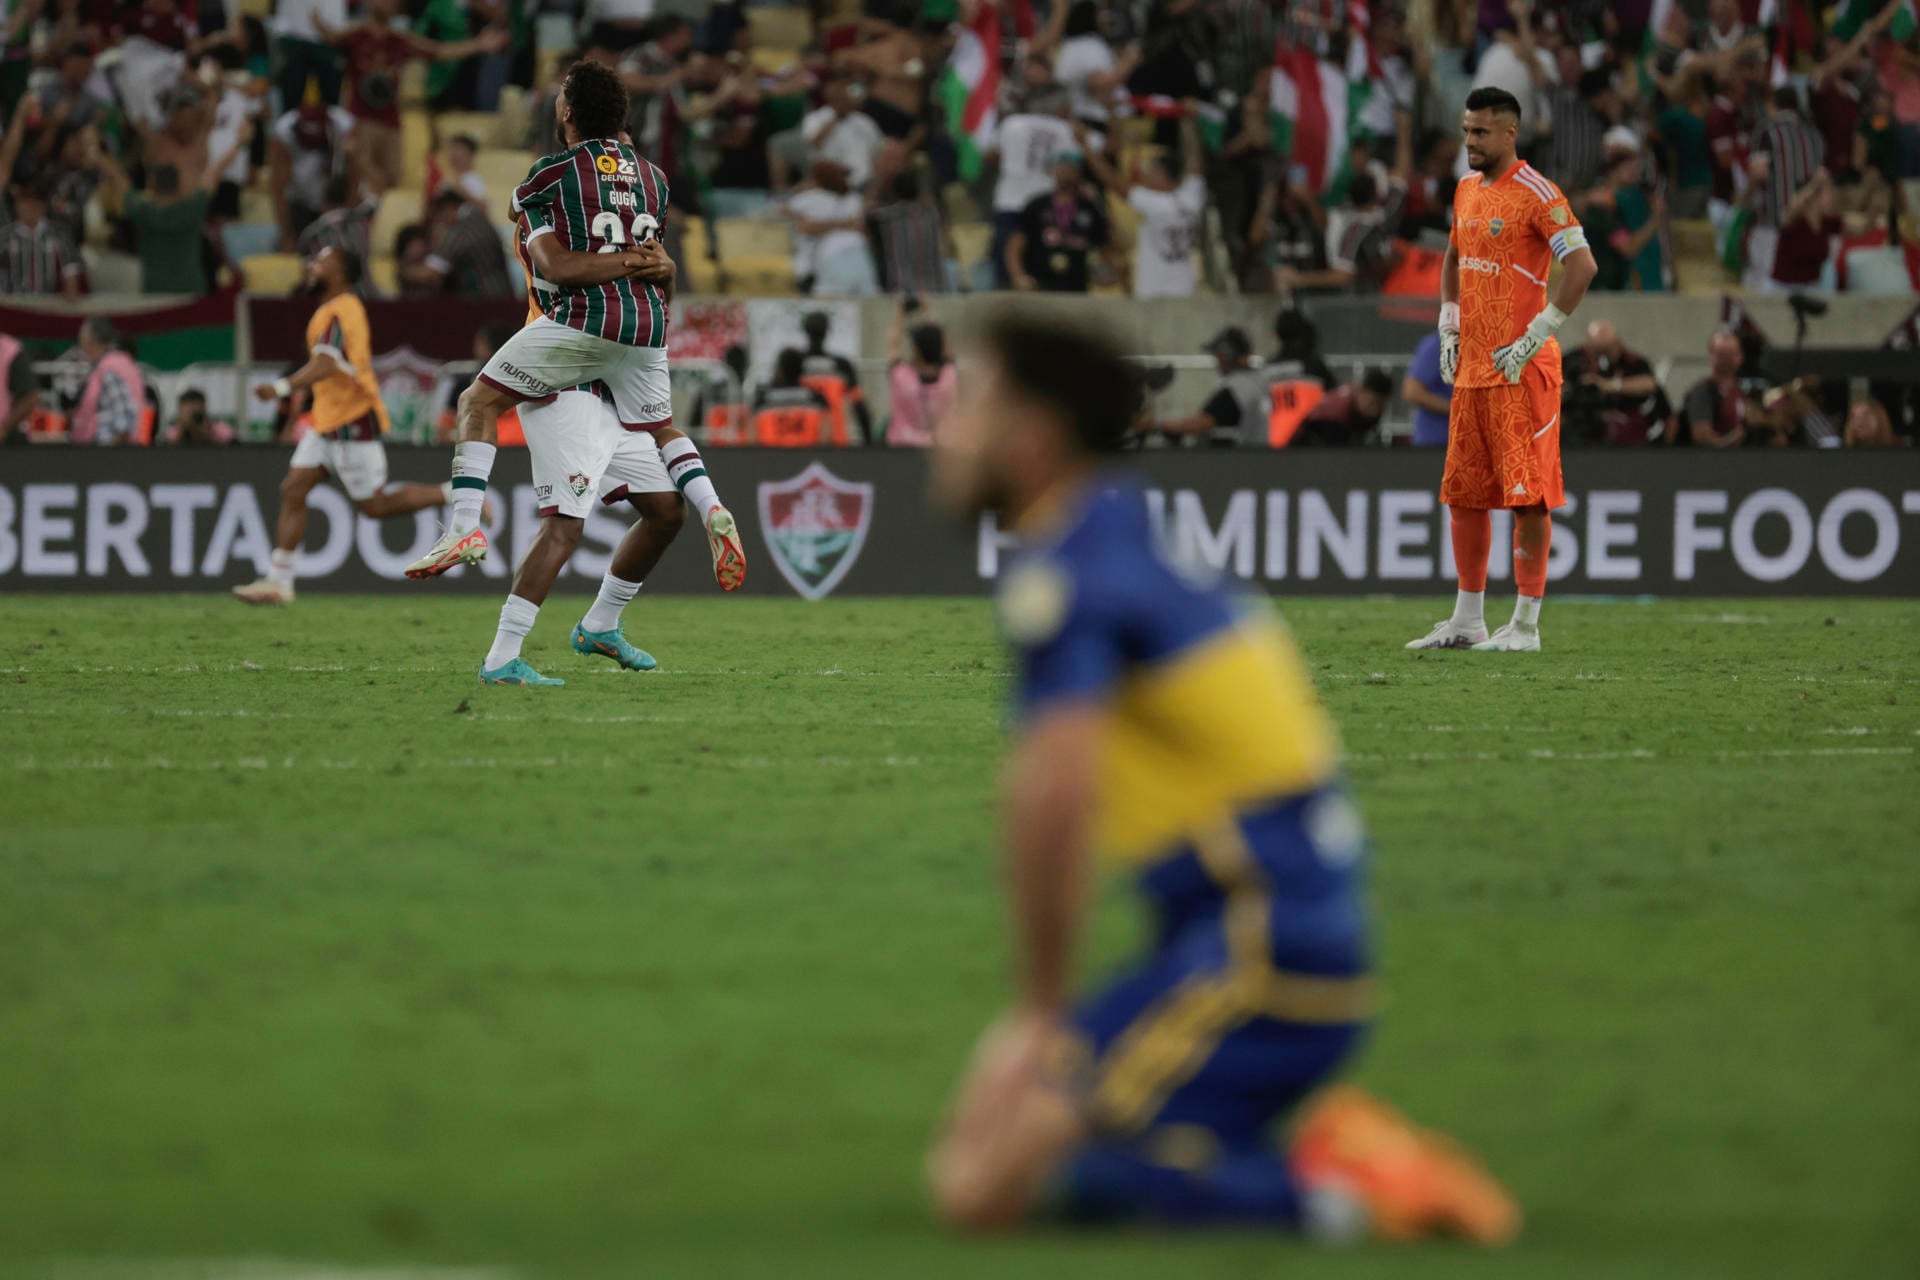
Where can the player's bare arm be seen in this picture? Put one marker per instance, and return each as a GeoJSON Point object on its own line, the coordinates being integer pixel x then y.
{"type": "Point", "coordinates": [1011, 1125]}
{"type": "Point", "coordinates": [319, 367]}
{"type": "Point", "coordinates": [572, 269]}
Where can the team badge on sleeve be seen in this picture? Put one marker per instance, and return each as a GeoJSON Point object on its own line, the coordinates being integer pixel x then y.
{"type": "Point", "coordinates": [1559, 215]}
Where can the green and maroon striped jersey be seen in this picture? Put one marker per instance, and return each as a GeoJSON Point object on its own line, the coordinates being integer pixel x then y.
{"type": "Point", "coordinates": [599, 197]}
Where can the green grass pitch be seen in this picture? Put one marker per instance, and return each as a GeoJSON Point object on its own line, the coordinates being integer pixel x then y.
{"type": "Point", "coordinates": [311, 948]}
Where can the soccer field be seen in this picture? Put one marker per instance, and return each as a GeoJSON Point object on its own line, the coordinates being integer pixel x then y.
{"type": "Point", "coordinates": [311, 948]}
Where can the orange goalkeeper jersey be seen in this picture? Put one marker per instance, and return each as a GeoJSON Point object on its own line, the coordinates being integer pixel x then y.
{"type": "Point", "coordinates": [1505, 235]}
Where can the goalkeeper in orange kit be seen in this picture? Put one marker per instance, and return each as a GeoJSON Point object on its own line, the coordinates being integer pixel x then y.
{"type": "Point", "coordinates": [1497, 349]}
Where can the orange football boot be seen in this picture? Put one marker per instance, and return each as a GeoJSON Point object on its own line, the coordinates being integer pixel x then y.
{"type": "Point", "coordinates": [1414, 1182]}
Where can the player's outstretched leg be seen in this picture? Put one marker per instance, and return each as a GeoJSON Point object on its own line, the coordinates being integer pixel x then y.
{"type": "Point", "coordinates": [599, 632]}
{"type": "Point", "coordinates": [548, 555]}
{"type": "Point", "coordinates": [689, 475]}
{"type": "Point", "coordinates": [1532, 538]}
{"type": "Point", "coordinates": [464, 541]}
{"type": "Point", "coordinates": [1472, 545]}
{"type": "Point", "coordinates": [277, 586]}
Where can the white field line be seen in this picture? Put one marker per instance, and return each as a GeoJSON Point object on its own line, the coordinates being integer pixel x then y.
{"type": "Point", "coordinates": [574, 764]}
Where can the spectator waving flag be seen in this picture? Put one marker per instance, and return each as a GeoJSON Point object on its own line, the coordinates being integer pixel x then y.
{"type": "Point", "coordinates": [1856, 14]}
{"type": "Point", "coordinates": [971, 86]}
{"type": "Point", "coordinates": [1312, 103]}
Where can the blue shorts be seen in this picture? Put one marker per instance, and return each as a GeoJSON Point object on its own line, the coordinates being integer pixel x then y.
{"type": "Point", "coordinates": [1248, 1002]}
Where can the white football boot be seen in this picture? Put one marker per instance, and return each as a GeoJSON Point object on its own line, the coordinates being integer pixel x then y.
{"type": "Point", "coordinates": [1515, 637]}
{"type": "Point", "coordinates": [265, 591]}
{"type": "Point", "coordinates": [1448, 634]}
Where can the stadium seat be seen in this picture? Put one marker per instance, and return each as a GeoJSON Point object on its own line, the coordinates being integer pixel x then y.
{"type": "Point", "coordinates": [972, 241]}
{"type": "Point", "coordinates": [272, 272]}
{"type": "Point", "coordinates": [247, 239]}
{"type": "Point", "coordinates": [760, 274]}
{"type": "Point", "coordinates": [481, 124]}
{"type": "Point", "coordinates": [502, 170]}
{"type": "Point", "coordinates": [754, 236]}
{"type": "Point", "coordinates": [785, 29]}
{"type": "Point", "coordinates": [385, 277]}
{"type": "Point", "coordinates": [397, 209]}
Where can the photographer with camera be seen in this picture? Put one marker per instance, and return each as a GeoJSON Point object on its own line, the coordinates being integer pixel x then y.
{"type": "Point", "coordinates": [1610, 396]}
{"type": "Point", "coordinates": [191, 424]}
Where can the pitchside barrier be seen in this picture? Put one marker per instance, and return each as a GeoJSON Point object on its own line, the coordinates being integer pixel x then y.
{"type": "Point", "coordinates": [859, 523]}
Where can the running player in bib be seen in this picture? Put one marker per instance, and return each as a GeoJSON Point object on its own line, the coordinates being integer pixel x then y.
{"type": "Point", "coordinates": [1498, 350]}
{"type": "Point", "coordinates": [593, 215]}
{"type": "Point", "coordinates": [636, 472]}
{"type": "Point", "coordinates": [349, 418]}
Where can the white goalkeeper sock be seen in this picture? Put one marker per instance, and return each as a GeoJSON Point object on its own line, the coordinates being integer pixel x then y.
{"type": "Point", "coordinates": [516, 620]}
{"type": "Point", "coordinates": [689, 475]}
{"type": "Point", "coordinates": [280, 567]}
{"type": "Point", "coordinates": [1470, 609]}
{"type": "Point", "coordinates": [615, 595]}
{"type": "Point", "coordinates": [472, 464]}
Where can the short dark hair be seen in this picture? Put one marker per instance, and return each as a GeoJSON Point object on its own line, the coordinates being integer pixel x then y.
{"type": "Point", "coordinates": [407, 235]}
{"type": "Point", "coordinates": [466, 140]}
{"type": "Point", "coordinates": [928, 342]}
{"type": "Point", "coordinates": [1362, 189]}
{"type": "Point", "coordinates": [1786, 98]}
{"type": "Point", "coordinates": [351, 267]}
{"type": "Point", "coordinates": [1498, 101]}
{"type": "Point", "coordinates": [1295, 333]}
{"type": "Point", "coordinates": [448, 198]}
{"type": "Point", "coordinates": [1073, 371]}
{"type": "Point", "coordinates": [597, 98]}
{"type": "Point", "coordinates": [191, 393]}
{"type": "Point", "coordinates": [1377, 381]}
{"type": "Point", "coordinates": [78, 49]}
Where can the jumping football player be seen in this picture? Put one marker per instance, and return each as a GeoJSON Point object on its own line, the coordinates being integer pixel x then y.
{"type": "Point", "coordinates": [349, 418]}
{"type": "Point", "coordinates": [592, 211]}
{"type": "Point", "coordinates": [635, 472]}
{"type": "Point", "coordinates": [1167, 728]}
{"type": "Point", "coordinates": [1498, 350]}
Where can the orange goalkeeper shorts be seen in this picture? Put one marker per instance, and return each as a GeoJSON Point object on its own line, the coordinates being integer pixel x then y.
{"type": "Point", "coordinates": [1503, 444]}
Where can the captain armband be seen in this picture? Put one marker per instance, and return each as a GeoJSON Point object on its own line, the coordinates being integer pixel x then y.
{"type": "Point", "coordinates": [1568, 241]}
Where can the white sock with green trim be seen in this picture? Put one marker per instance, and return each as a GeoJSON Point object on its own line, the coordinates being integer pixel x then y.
{"type": "Point", "coordinates": [689, 475]}
{"type": "Point", "coordinates": [615, 595]}
{"type": "Point", "coordinates": [472, 464]}
{"type": "Point", "coordinates": [516, 620]}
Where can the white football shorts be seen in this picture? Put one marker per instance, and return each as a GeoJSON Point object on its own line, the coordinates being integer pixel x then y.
{"type": "Point", "coordinates": [359, 465]}
{"type": "Point", "coordinates": [545, 358]}
{"type": "Point", "coordinates": [579, 450]}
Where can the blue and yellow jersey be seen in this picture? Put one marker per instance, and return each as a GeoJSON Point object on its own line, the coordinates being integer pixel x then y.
{"type": "Point", "coordinates": [1216, 750]}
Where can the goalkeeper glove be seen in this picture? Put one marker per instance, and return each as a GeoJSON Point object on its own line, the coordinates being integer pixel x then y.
{"type": "Point", "coordinates": [1449, 341]}
{"type": "Point", "coordinates": [1512, 359]}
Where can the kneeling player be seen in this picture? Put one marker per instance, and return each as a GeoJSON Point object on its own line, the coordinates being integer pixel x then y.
{"type": "Point", "coordinates": [579, 450]}
{"type": "Point", "coordinates": [1167, 728]}
{"type": "Point", "coordinates": [349, 418]}
{"type": "Point", "coordinates": [1498, 350]}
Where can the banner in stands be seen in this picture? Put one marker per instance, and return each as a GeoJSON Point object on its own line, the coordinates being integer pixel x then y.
{"type": "Point", "coordinates": [857, 523]}
{"type": "Point", "coordinates": [165, 335]}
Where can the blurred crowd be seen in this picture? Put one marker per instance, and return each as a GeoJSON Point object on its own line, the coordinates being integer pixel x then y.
{"type": "Point", "coordinates": [1143, 146]}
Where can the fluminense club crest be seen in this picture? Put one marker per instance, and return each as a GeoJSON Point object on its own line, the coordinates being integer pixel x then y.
{"type": "Point", "coordinates": [815, 525]}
